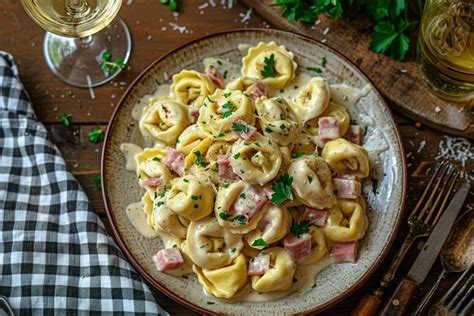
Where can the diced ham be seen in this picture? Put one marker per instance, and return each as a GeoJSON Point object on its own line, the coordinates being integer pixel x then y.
{"type": "Point", "coordinates": [242, 134]}
{"type": "Point", "coordinates": [345, 252]}
{"type": "Point", "coordinates": [174, 160]}
{"type": "Point", "coordinates": [259, 265]}
{"type": "Point", "coordinates": [259, 91]}
{"type": "Point", "coordinates": [328, 128]}
{"type": "Point", "coordinates": [299, 246]}
{"type": "Point", "coordinates": [268, 190]}
{"type": "Point", "coordinates": [249, 203]}
{"type": "Point", "coordinates": [347, 189]}
{"type": "Point", "coordinates": [225, 169]}
{"type": "Point", "coordinates": [152, 182]}
{"type": "Point", "coordinates": [315, 216]}
{"type": "Point", "coordinates": [194, 114]}
{"type": "Point", "coordinates": [168, 259]}
{"type": "Point", "coordinates": [215, 76]}
{"type": "Point", "coordinates": [355, 134]}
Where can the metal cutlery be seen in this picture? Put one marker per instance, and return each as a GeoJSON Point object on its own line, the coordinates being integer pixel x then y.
{"type": "Point", "coordinates": [404, 293]}
{"type": "Point", "coordinates": [421, 221]}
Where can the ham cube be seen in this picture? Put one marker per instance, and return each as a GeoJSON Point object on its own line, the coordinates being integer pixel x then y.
{"type": "Point", "coordinates": [246, 134]}
{"type": "Point", "coordinates": [168, 259]}
{"type": "Point", "coordinates": [152, 182]}
{"type": "Point", "coordinates": [225, 169]}
{"type": "Point", "coordinates": [355, 134]}
{"type": "Point", "coordinates": [215, 76]}
{"type": "Point", "coordinates": [194, 114]}
{"type": "Point", "coordinates": [299, 246]}
{"type": "Point", "coordinates": [259, 91]}
{"type": "Point", "coordinates": [345, 252]}
{"type": "Point", "coordinates": [174, 160]}
{"type": "Point", "coordinates": [315, 216]}
{"type": "Point", "coordinates": [259, 265]}
{"type": "Point", "coordinates": [328, 128]}
{"type": "Point", "coordinates": [249, 203]}
{"type": "Point", "coordinates": [347, 189]}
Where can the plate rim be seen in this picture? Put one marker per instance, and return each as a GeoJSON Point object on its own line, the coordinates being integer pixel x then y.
{"type": "Point", "coordinates": [162, 288]}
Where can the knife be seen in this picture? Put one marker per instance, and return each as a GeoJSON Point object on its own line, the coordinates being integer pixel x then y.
{"type": "Point", "coordinates": [401, 298]}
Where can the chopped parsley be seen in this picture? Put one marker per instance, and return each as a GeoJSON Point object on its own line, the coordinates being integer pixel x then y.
{"type": "Point", "coordinates": [236, 156]}
{"type": "Point", "coordinates": [194, 197]}
{"type": "Point", "coordinates": [375, 185]}
{"type": "Point", "coordinates": [97, 181]}
{"type": "Point", "coordinates": [219, 62]}
{"type": "Point", "coordinates": [185, 180]}
{"type": "Point", "coordinates": [226, 114]}
{"type": "Point", "coordinates": [240, 127]}
{"type": "Point", "coordinates": [109, 66]}
{"type": "Point", "coordinates": [156, 159]}
{"type": "Point", "coordinates": [300, 228]}
{"type": "Point", "coordinates": [282, 189]}
{"type": "Point", "coordinates": [221, 134]}
{"type": "Point", "coordinates": [297, 154]}
{"type": "Point", "coordinates": [225, 74]}
{"type": "Point", "coordinates": [226, 95]}
{"type": "Point", "coordinates": [365, 130]}
{"type": "Point", "coordinates": [209, 99]}
{"type": "Point", "coordinates": [295, 280]}
{"type": "Point", "coordinates": [225, 185]}
{"type": "Point", "coordinates": [323, 61]}
{"type": "Point", "coordinates": [242, 196]}
{"type": "Point", "coordinates": [210, 303]}
{"type": "Point", "coordinates": [314, 285]}
{"type": "Point", "coordinates": [268, 129]}
{"type": "Point", "coordinates": [282, 126]}
{"type": "Point", "coordinates": [353, 122]}
{"type": "Point", "coordinates": [310, 179]}
{"type": "Point", "coordinates": [228, 105]}
{"type": "Point", "coordinates": [259, 243]}
{"type": "Point", "coordinates": [198, 160]}
{"type": "Point", "coordinates": [65, 118]}
{"type": "Point", "coordinates": [175, 245]}
{"type": "Point", "coordinates": [240, 218]}
{"type": "Point", "coordinates": [224, 215]}
{"type": "Point", "coordinates": [232, 249]}
{"type": "Point", "coordinates": [196, 206]}
{"type": "Point", "coordinates": [268, 70]}
{"type": "Point", "coordinates": [314, 69]}
{"type": "Point", "coordinates": [95, 135]}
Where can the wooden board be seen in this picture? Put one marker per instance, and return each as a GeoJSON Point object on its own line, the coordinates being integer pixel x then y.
{"type": "Point", "coordinates": [398, 81]}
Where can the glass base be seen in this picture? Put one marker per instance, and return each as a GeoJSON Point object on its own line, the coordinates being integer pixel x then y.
{"type": "Point", "coordinates": [77, 61]}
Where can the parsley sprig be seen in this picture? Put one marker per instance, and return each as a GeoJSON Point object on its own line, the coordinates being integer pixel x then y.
{"type": "Point", "coordinates": [110, 66]}
{"type": "Point", "coordinates": [259, 243]}
{"type": "Point", "coordinates": [282, 189]}
{"type": "Point", "coordinates": [65, 118]}
{"type": "Point", "coordinates": [96, 135]}
{"type": "Point", "coordinates": [391, 19]}
{"type": "Point", "coordinates": [300, 228]}
{"type": "Point", "coordinates": [268, 70]}
{"type": "Point", "coordinates": [240, 127]}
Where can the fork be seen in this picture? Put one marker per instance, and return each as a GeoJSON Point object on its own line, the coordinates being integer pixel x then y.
{"type": "Point", "coordinates": [460, 297]}
{"type": "Point", "coordinates": [421, 221]}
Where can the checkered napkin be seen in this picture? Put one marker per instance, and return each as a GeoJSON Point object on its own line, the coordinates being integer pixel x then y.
{"type": "Point", "coordinates": [55, 255]}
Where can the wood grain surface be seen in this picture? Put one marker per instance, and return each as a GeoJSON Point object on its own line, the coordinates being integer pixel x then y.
{"type": "Point", "coordinates": [398, 81]}
{"type": "Point", "coordinates": [147, 21]}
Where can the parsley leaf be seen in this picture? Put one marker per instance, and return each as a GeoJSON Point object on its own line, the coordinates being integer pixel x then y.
{"type": "Point", "coordinates": [198, 160]}
{"type": "Point", "coordinates": [375, 185]}
{"type": "Point", "coordinates": [226, 114]}
{"type": "Point", "coordinates": [297, 155]}
{"type": "Point", "coordinates": [315, 69]}
{"type": "Point", "coordinates": [236, 156]}
{"type": "Point", "coordinates": [240, 218]}
{"type": "Point", "coordinates": [109, 66]}
{"type": "Point", "coordinates": [97, 181]}
{"type": "Point", "coordinates": [268, 70]}
{"type": "Point", "coordinates": [240, 127]}
{"type": "Point", "coordinates": [65, 118]}
{"type": "Point", "coordinates": [156, 159]}
{"type": "Point", "coordinates": [300, 228]}
{"type": "Point", "coordinates": [95, 135]}
{"type": "Point", "coordinates": [224, 215]}
{"type": "Point", "coordinates": [388, 38]}
{"type": "Point", "coordinates": [259, 243]}
{"type": "Point", "coordinates": [282, 189]}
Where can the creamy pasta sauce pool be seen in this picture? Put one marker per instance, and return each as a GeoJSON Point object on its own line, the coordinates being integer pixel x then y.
{"type": "Point", "coordinates": [253, 176]}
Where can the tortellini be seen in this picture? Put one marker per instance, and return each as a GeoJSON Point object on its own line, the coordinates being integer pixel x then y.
{"type": "Point", "coordinates": [224, 282]}
{"type": "Point", "coordinates": [256, 162]}
{"type": "Point", "coordinates": [344, 157]}
{"type": "Point", "coordinates": [313, 99]}
{"type": "Point", "coordinates": [280, 275]}
{"type": "Point", "coordinates": [190, 138]}
{"type": "Point", "coordinates": [347, 221]}
{"type": "Point", "coordinates": [312, 182]}
{"type": "Point", "coordinates": [165, 219]}
{"type": "Point", "coordinates": [222, 109]}
{"type": "Point", "coordinates": [211, 246]}
{"type": "Point", "coordinates": [225, 200]}
{"type": "Point", "coordinates": [245, 84]}
{"type": "Point", "coordinates": [150, 166]}
{"type": "Point", "coordinates": [190, 197]}
{"type": "Point", "coordinates": [164, 120]}
{"type": "Point", "coordinates": [191, 88]}
{"type": "Point", "coordinates": [335, 110]}
{"type": "Point", "coordinates": [318, 249]}
{"type": "Point", "coordinates": [272, 227]}
{"type": "Point", "coordinates": [217, 148]}
{"type": "Point", "coordinates": [277, 60]}
{"type": "Point", "coordinates": [277, 120]}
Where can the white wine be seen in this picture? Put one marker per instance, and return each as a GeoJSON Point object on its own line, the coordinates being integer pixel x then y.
{"type": "Point", "coordinates": [446, 48]}
{"type": "Point", "coordinates": [72, 18]}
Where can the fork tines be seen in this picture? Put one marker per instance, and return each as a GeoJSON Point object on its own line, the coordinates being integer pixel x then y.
{"type": "Point", "coordinates": [460, 297]}
{"type": "Point", "coordinates": [433, 200]}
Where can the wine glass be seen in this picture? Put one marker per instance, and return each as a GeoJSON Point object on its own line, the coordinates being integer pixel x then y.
{"type": "Point", "coordinates": [86, 43]}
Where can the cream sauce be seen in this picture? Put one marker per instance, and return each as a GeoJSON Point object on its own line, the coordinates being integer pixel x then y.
{"type": "Point", "coordinates": [244, 48]}
{"type": "Point", "coordinates": [346, 95]}
{"type": "Point", "coordinates": [228, 70]}
{"type": "Point", "coordinates": [129, 151]}
{"type": "Point", "coordinates": [137, 217]}
{"type": "Point", "coordinates": [292, 88]}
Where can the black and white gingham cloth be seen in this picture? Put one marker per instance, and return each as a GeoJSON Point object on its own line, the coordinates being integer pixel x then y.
{"type": "Point", "coordinates": [55, 255]}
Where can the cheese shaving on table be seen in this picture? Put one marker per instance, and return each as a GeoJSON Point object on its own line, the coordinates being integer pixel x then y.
{"type": "Point", "coordinates": [180, 28]}
{"type": "Point", "coordinates": [246, 16]}
{"type": "Point", "coordinates": [455, 148]}
{"type": "Point", "coordinates": [422, 145]}
{"type": "Point", "coordinates": [203, 6]}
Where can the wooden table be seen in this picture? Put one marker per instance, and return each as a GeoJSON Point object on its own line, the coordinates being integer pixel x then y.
{"type": "Point", "coordinates": [152, 34]}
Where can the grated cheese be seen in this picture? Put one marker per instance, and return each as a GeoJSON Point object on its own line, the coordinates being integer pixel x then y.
{"type": "Point", "coordinates": [212, 3]}
{"type": "Point", "coordinates": [203, 6]}
{"type": "Point", "coordinates": [422, 145]}
{"type": "Point", "coordinates": [246, 16]}
{"type": "Point", "coordinates": [438, 109]}
{"type": "Point", "coordinates": [180, 28]}
{"type": "Point", "coordinates": [326, 31]}
{"type": "Point", "coordinates": [455, 148]}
